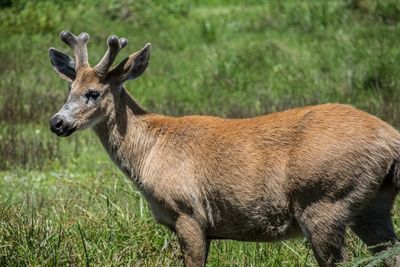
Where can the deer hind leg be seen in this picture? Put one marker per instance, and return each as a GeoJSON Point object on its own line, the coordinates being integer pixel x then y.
{"type": "Point", "coordinates": [325, 235]}
{"type": "Point", "coordinates": [194, 244]}
{"type": "Point", "coordinates": [374, 224]}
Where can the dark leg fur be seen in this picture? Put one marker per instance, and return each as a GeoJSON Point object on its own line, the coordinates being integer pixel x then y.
{"type": "Point", "coordinates": [326, 236]}
{"type": "Point", "coordinates": [328, 246]}
{"type": "Point", "coordinates": [374, 225]}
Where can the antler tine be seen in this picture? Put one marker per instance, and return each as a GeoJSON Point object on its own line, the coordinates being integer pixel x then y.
{"type": "Point", "coordinates": [114, 46]}
{"type": "Point", "coordinates": [78, 44]}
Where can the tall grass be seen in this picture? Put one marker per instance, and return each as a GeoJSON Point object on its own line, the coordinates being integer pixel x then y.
{"type": "Point", "coordinates": [61, 200]}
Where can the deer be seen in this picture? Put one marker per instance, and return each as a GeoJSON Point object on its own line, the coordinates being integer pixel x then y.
{"type": "Point", "coordinates": [310, 172]}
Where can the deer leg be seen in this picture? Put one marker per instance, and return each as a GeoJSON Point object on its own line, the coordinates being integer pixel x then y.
{"type": "Point", "coordinates": [326, 237]}
{"type": "Point", "coordinates": [328, 246]}
{"type": "Point", "coordinates": [194, 244]}
{"type": "Point", "coordinates": [374, 224]}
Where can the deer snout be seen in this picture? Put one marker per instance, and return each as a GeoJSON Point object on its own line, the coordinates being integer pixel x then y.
{"type": "Point", "coordinates": [60, 127]}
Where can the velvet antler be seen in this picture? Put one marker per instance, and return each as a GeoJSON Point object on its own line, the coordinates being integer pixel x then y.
{"type": "Point", "coordinates": [115, 45]}
{"type": "Point", "coordinates": [78, 44]}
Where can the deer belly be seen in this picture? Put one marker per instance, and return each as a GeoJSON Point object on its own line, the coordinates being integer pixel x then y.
{"type": "Point", "coordinates": [255, 224]}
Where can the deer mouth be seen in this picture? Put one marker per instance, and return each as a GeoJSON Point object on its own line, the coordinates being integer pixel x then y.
{"type": "Point", "coordinates": [63, 132]}
{"type": "Point", "coordinates": [67, 132]}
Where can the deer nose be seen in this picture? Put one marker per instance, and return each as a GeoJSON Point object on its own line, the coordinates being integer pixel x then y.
{"type": "Point", "coordinates": [56, 124]}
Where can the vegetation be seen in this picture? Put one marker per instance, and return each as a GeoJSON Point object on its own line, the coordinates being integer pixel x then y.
{"type": "Point", "coordinates": [61, 199]}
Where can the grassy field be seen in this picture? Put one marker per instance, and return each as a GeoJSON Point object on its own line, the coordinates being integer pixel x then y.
{"type": "Point", "coordinates": [62, 202]}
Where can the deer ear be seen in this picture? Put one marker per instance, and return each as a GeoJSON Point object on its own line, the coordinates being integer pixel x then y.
{"type": "Point", "coordinates": [133, 66]}
{"type": "Point", "coordinates": [63, 64]}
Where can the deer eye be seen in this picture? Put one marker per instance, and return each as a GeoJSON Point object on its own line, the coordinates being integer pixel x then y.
{"type": "Point", "coordinates": [92, 94]}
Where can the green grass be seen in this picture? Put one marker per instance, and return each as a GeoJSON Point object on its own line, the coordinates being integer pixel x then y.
{"type": "Point", "coordinates": [63, 202]}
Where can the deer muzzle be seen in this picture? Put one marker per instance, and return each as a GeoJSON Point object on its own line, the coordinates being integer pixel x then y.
{"type": "Point", "coordinates": [60, 126]}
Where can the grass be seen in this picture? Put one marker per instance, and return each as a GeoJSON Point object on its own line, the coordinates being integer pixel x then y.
{"type": "Point", "coordinates": [62, 202]}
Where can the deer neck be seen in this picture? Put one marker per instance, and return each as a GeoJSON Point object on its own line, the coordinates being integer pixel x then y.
{"type": "Point", "coordinates": [125, 135]}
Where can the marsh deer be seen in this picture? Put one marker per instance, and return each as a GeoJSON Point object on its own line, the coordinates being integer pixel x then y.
{"type": "Point", "coordinates": [309, 171]}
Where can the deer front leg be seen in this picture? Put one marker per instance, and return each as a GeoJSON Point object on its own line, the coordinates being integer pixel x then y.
{"type": "Point", "coordinates": [193, 242]}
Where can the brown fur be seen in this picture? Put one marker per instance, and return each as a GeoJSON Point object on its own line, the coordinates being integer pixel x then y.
{"type": "Point", "coordinates": [312, 171]}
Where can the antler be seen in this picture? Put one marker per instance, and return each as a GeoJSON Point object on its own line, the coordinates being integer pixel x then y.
{"type": "Point", "coordinates": [115, 45]}
{"type": "Point", "coordinates": [78, 44]}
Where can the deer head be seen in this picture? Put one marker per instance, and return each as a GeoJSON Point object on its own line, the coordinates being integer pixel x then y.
{"type": "Point", "coordinates": [92, 90]}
